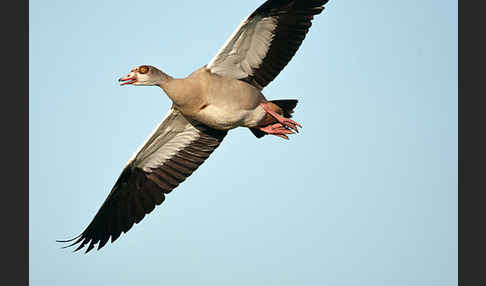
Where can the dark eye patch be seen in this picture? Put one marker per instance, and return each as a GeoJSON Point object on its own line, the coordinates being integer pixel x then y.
{"type": "Point", "coordinates": [143, 69]}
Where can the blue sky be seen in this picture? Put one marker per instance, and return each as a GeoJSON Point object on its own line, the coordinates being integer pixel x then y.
{"type": "Point", "coordinates": [365, 194]}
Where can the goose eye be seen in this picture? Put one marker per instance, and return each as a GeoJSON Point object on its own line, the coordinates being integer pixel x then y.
{"type": "Point", "coordinates": [143, 69]}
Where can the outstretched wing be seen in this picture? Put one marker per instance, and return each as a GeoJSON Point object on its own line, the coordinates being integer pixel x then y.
{"type": "Point", "coordinates": [172, 152]}
{"type": "Point", "coordinates": [266, 40]}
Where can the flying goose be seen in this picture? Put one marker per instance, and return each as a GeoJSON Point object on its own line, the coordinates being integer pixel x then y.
{"type": "Point", "coordinates": [222, 95]}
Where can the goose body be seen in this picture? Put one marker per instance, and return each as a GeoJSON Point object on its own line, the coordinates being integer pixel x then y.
{"type": "Point", "coordinates": [217, 101]}
{"type": "Point", "coordinates": [222, 95]}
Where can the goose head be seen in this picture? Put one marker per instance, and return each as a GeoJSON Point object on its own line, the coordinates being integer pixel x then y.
{"type": "Point", "coordinates": [143, 75]}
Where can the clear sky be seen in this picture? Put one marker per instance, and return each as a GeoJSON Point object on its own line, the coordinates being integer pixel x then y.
{"type": "Point", "coordinates": [365, 194]}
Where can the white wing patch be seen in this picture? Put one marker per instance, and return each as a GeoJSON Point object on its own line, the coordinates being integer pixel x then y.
{"type": "Point", "coordinates": [170, 136]}
{"type": "Point", "coordinates": [178, 142]}
{"type": "Point", "coordinates": [245, 49]}
{"type": "Point", "coordinates": [139, 149]}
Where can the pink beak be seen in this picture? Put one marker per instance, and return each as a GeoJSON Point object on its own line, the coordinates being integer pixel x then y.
{"type": "Point", "coordinates": [128, 79]}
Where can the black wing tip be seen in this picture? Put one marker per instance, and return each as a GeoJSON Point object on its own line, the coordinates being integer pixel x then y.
{"type": "Point", "coordinates": [67, 240]}
{"type": "Point", "coordinates": [269, 5]}
{"type": "Point", "coordinates": [83, 241]}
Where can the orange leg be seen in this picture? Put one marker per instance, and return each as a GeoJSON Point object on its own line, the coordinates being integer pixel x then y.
{"type": "Point", "coordinates": [277, 129]}
{"type": "Point", "coordinates": [283, 126]}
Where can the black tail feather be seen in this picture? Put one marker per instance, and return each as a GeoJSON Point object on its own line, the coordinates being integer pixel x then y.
{"type": "Point", "coordinates": [257, 132]}
{"type": "Point", "coordinates": [287, 106]}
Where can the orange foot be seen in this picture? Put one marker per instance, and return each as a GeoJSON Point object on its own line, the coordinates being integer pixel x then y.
{"type": "Point", "coordinates": [277, 129]}
{"type": "Point", "coordinates": [283, 127]}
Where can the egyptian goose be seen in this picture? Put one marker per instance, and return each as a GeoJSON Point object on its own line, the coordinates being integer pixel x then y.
{"type": "Point", "coordinates": [222, 95]}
